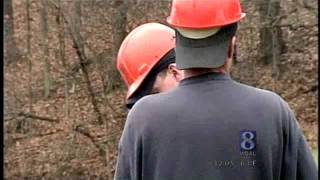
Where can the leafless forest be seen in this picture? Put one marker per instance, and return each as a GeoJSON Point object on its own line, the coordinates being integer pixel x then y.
{"type": "Point", "coordinates": [64, 99]}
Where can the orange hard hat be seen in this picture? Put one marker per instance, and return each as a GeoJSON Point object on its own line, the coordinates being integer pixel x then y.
{"type": "Point", "coordinates": [141, 50]}
{"type": "Point", "coordinates": [202, 14]}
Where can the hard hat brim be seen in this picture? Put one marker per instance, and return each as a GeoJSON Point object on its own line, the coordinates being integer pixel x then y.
{"type": "Point", "coordinates": [135, 85]}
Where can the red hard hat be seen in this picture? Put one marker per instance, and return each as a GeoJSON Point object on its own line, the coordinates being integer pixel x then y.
{"type": "Point", "coordinates": [141, 50]}
{"type": "Point", "coordinates": [202, 14]}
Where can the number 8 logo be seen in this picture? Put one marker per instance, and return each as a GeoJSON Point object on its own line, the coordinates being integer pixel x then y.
{"type": "Point", "coordinates": [248, 140]}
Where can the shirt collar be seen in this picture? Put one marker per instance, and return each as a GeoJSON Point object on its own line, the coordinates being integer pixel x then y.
{"type": "Point", "coordinates": [205, 77]}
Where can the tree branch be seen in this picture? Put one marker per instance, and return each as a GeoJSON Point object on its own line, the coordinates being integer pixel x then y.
{"type": "Point", "coordinates": [85, 132]}
{"type": "Point", "coordinates": [76, 37]}
{"type": "Point", "coordinates": [32, 116]}
{"type": "Point", "coordinates": [291, 26]}
{"type": "Point", "coordinates": [16, 137]}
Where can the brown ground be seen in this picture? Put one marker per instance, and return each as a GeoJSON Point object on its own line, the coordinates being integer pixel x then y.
{"type": "Point", "coordinates": [77, 146]}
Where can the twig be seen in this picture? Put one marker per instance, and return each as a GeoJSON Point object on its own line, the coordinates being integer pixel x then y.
{"type": "Point", "coordinates": [32, 116]}
{"type": "Point", "coordinates": [84, 131]}
{"type": "Point", "coordinates": [6, 119]}
{"type": "Point", "coordinates": [20, 137]}
{"type": "Point", "coordinates": [82, 59]}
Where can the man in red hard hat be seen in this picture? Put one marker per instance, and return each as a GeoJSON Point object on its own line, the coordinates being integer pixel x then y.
{"type": "Point", "coordinates": [210, 126]}
{"type": "Point", "coordinates": [146, 61]}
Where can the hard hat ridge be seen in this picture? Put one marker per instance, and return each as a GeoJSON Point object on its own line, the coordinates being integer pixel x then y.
{"type": "Point", "coordinates": [202, 14]}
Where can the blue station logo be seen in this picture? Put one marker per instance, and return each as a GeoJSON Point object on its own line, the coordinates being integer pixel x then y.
{"type": "Point", "coordinates": [248, 141]}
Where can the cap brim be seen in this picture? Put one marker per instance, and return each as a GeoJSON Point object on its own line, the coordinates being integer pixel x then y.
{"type": "Point", "coordinates": [209, 52]}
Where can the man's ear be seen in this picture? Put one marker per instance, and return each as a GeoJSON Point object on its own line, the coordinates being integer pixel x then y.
{"type": "Point", "coordinates": [177, 74]}
{"type": "Point", "coordinates": [231, 47]}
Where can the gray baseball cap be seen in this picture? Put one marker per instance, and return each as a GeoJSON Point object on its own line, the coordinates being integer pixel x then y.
{"type": "Point", "coordinates": [208, 52]}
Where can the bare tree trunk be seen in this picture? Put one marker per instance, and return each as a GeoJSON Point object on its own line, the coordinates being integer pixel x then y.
{"type": "Point", "coordinates": [119, 32]}
{"type": "Point", "coordinates": [77, 25]}
{"type": "Point", "coordinates": [28, 54]}
{"type": "Point", "coordinates": [44, 29]}
{"type": "Point", "coordinates": [66, 93]}
{"type": "Point", "coordinates": [265, 49]}
{"type": "Point", "coordinates": [270, 15]}
{"type": "Point", "coordinates": [119, 23]}
{"type": "Point", "coordinates": [61, 37]}
{"type": "Point", "coordinates": [275, 53]}
{"type": "Point", "coordinates": [77, 14]}
{"type": "Point", "coordinates": [276, 34]}
{"type": "Point", "coordinates": [11, 50]}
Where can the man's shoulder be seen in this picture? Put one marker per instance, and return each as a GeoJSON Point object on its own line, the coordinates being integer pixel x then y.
{"type": "Point", "coordinates": [149, 111]}
{"type": "Point", "coordinates": [153, 102]}
{"type": "Point", "coordinates": [264, 93]}
{"type": "Point", "coordinates": [263, 97]}
{"type": "Point", "coordinates": [150, 104]}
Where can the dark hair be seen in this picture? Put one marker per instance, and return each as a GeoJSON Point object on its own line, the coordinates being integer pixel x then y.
{"type": "Point", "coordinates": [231, 29]}
{"type": "Point", "coordinates": [146, 87]}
